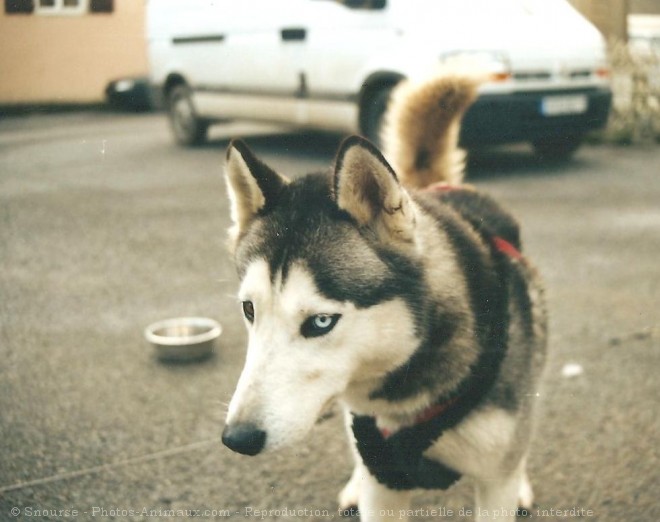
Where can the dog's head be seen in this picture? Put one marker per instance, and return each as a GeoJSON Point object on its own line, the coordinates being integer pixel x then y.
{"type": "Point", "coordinates": [329, 288]}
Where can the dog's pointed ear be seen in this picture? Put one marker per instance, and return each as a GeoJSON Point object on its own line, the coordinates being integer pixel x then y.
{"type": "Point", "coordinates": [252, 186]}
{"type": "Point", "coordinates": [368, 189]}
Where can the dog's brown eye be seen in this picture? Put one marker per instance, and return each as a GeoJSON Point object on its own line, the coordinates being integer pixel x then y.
{"type": "Point", "coordinates": [318, 325]}
{"type": "Point", "coordinates": [248, 310]}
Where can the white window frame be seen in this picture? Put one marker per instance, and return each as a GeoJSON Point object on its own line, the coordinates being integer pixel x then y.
{"type": "Point", "coordinates": [59, 9]}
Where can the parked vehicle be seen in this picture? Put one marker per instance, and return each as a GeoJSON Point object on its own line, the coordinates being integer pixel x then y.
{"type": "Point", "coordinates": [331, 64]}
{"type": "Point", "coordinates": [130, 94]}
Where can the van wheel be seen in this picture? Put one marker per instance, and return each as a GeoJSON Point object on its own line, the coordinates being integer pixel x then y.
{"type": "Point", "coordinates": [557, 149]}
{"type": "Point", "coordinates": [373, 112]}
{"type": "Point", "coordinates": [188, 128]}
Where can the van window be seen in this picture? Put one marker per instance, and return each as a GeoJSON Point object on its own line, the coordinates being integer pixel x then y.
{"type": "Point", "coordinates": [19, 6]}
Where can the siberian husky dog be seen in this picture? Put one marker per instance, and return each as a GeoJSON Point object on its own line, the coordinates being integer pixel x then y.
{"type": "Point", "coordinates": [389, 286]}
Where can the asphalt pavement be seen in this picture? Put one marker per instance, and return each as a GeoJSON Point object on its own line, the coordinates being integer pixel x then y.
{"type": "Point", "coordinates": [106, 226]}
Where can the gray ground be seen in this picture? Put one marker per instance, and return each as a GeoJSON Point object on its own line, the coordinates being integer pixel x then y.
{"type": "Point", "coordinates": [105, 226]}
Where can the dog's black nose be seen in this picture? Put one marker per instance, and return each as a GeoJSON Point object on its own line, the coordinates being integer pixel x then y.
{"type": "Point", "coordinates": [244, 438]}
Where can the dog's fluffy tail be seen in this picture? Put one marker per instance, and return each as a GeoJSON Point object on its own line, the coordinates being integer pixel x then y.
{"type": "Point", "coordinates": [421, 127]}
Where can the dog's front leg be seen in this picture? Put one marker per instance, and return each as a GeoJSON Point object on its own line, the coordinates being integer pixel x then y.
{"type": "Point", "coordinates": [374, 501]}
{"type": "Point", "coordinates": [378, 503]}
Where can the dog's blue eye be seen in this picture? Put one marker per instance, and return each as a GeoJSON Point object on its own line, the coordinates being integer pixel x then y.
{"type": "Point", "coordinates": [320, 324]}
{"type": "Point", "coordinates": [248, 310]}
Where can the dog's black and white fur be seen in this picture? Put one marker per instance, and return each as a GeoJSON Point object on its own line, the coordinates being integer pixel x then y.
{"type": "Point", "coordinates": [396, 302]}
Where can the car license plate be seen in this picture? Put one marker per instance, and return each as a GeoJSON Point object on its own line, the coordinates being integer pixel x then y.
{"type": "Point", "coordinates": [560, 105]}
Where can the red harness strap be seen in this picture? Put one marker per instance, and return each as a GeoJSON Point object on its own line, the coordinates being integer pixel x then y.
{"type": "Point", "coordinates": [442, 186]}
{"type": "Point", "coordinates": [502, 245]}
{"type": "Point", "coordinates": [429, 413]}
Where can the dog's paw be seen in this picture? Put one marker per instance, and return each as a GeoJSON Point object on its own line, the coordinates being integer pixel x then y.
{"type": "Point", "coordinates": [351, 512]}
{"type": "Point", "coordinates": [348, 498]}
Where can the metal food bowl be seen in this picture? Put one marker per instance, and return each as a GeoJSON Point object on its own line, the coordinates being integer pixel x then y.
{"type": "Point", "coordinates": [183, 338]}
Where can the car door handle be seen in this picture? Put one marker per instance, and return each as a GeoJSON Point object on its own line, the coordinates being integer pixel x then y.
{"type": "Point", "coordinates": [293, 34]}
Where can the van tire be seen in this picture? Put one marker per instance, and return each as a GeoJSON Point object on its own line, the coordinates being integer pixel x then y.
{"type": "Point", "coordinates": [189, 129]}
{"type": "Point", "coordinates": [557, 149]}
{"type": "Point", "coordinates": [373, 112]}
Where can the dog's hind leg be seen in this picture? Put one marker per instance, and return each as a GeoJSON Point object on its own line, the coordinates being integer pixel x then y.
{"type": "Point", "coordinates": [497, 499]}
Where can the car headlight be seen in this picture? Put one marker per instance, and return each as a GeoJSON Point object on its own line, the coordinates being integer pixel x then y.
{"type": "Point", "coordinates": [124, 85]}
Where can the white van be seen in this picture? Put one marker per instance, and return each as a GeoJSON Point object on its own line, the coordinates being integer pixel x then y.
{"type": "Point", "coordinates": [331, 64]}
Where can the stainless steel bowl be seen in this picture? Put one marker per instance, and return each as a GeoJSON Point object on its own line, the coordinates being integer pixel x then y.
{"type": "Point", "coordinates": [183, 338]}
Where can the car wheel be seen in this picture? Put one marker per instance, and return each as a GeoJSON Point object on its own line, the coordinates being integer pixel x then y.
{"type": "Point", "coordinates": [373, 112]}
{"type": "Point", "coordinates": [557, 149]}
{"type": "Point", "coordinates": [188, 128]}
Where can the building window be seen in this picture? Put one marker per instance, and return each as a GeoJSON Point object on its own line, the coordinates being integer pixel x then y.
{"type": "Point", "coordinates": [60, 7]}
{"type": "Point", "coordinates": [19, 6]}
{"type": "Point", "coordinates": [101, 6]}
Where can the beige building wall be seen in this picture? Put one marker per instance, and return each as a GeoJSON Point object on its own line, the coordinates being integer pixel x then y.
{"type": "Point", "coordinates": [645, 6]}
{"type": "Point", "coordinates": [610, 15]}
{"type": "Point", "coordinates": [69, 58]}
